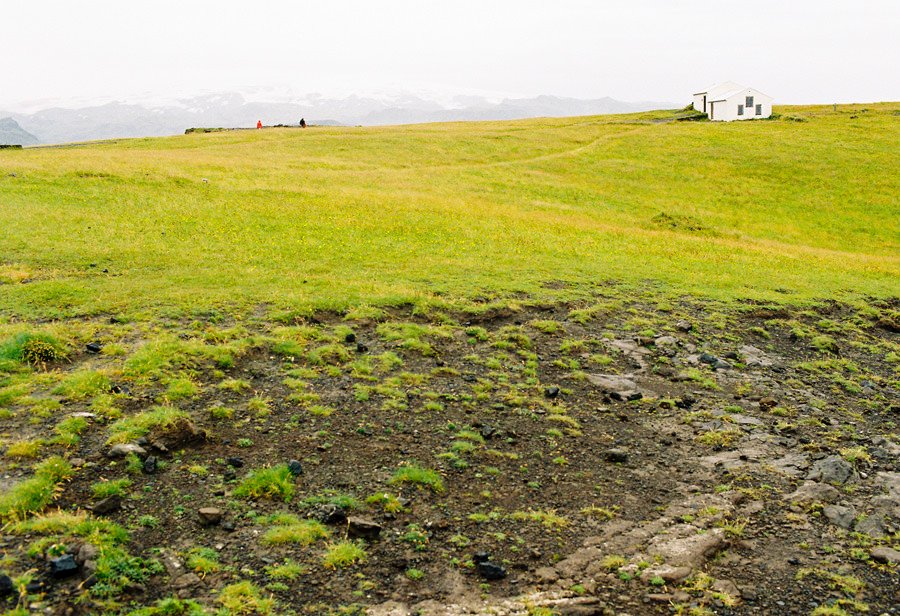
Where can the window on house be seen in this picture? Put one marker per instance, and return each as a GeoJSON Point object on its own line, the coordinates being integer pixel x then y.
{"type": "Point", "coordinates": [759, 110]}
{"type": "Point", "coordinates": [749, 102]}
{"type": "Point", "coordinates": [740, 110]}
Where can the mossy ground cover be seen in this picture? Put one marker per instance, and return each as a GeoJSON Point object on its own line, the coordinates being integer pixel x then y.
{"type": "Point", "coordinates": [334, 217]}
{"type": "Point", "coordinates": [433, 374]}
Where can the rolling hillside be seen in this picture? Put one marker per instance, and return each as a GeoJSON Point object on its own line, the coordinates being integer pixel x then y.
{"type": "Point", "coordinates": [781, 209]}
{"type": "Point", "coordinates": [559, 367]}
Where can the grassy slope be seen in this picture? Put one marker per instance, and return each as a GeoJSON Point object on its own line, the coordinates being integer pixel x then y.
{"type": "Point", "coordinates": [328, 217]}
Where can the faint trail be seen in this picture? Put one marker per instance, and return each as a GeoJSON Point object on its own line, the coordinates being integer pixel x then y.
{"type": "Point", "coordinates": [518, 161]}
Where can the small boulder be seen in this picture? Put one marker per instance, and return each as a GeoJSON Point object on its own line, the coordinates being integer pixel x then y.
{"type": "Point", "coordinates": [123, 450]}
{"type": "Point", "coordinates": [840, 515]}
{"type": "Point", "coordinates": [362, 528]}
{"type": "Point", "coordinates": [551, 392]}
{"type": "Point", "coordinates": [93, 347]}
{"type": "Point", "coordinates": [87, 551]}
{"type": "Point", "coordinates": [295, 467]}
{"type": "Point", "coordinates": [150, 465]}
{"type": "Point", "coordinates": [109, 504]}
{"type": "Point", "coordinates": [616, 456]}
{"type": "Point", "coordinates": [175, 435]}
{"type": "Point", "coordinates": [684, 325]}
{"type": "Point", "coordinates": [328, 514]}
{"type": "Point", "coordinates": [885, 555]}
{"type": "Point", "coordinates": [834, 470]}
{"type": "Point", "coordinates": [210, 516]}
{"type": "Point", "coordinates": [6, 585]}
{"type": "Point", "coordinates": [618, 387]}
{"type": "Point", "coordinates": [491, 571]}
{"type": "Point", "coordinates": [812, 492]}
{"type": "Point", "coordinates": [63, 566]}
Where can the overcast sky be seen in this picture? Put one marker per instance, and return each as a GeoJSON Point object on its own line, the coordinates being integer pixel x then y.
{"type": "Point", "coordinates": [66, 51]}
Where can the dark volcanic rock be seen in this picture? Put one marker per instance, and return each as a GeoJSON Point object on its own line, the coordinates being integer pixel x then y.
{"type": "Point", "coordinates": [150, 465]}
{"type": "Point", "coordinates": [108, 505]}
{"type": "Point", "coordinates": [491, 571]}
{"type": "Point", "coordinates": [64, 566]}
{"type": "Point", "coordinates": [616, 456]}
{"type": "Point", "coordinates": [362, 528]}
{"type": "Point", "coordinates": [328, 514]}
{"type": "Point", "coordinates": [6, 585]}
{"type": "Point", "coordinates": [295, 467]}
{"type": "Point", "coordinates": [833, 469]}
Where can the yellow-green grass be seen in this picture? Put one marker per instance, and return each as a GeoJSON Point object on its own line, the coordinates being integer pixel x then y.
{"type": "Point", "coordinates": [334, 217]}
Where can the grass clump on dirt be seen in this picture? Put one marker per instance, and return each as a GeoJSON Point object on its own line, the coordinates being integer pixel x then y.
{"type": "Point", "coordinates": [32, 349]}
{"type": "Point", "coordinates": [418, 476]}
{"type": "Point", "coordinates": [291, 530]}
{"type": "Point", "coordinates": [244, 598]}
{"type": "Point", "coordinates": [34, 494]}
{"type": "Point", "coordinates": [344, 554]}
{"type": "Point", "coordinates": [275, 483]}
{"type": "Point", "coordinates": [133, 427]}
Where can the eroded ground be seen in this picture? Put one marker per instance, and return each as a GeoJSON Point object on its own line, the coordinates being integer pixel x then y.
{"type": "Point", "coordinates": [631, 456]}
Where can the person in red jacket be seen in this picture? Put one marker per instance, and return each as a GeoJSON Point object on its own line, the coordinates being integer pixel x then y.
{"type": "Point", "coordinates": [259, 124]}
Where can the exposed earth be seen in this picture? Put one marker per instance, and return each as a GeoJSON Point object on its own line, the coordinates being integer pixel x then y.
{"type": "Point", "coordinates": [638, 455]}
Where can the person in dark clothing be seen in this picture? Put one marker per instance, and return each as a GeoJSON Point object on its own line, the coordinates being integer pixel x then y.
{"type": "Point", "coordinates": [302, 122]}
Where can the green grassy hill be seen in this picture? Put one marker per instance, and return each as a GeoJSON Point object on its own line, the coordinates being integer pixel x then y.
{"type": "Point", "coordinates": [327, 217]}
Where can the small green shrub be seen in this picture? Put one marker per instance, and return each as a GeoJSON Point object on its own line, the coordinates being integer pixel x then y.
{"type": "Point", "coordinates": [419, 476]}
{"type": "Point", "coordinates": [344, 554]}
{"type": "Point", "coordinates": [273, 483]}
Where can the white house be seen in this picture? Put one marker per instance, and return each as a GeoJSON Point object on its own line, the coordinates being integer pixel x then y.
{"type": "Point", "coordinates": [730, 101]}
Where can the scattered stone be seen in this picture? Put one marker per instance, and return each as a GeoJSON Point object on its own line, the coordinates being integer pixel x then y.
{"type": "Point", "coordinates": [487, 432]}
{"type": "Point", "coordinates": [328, 514]}
{"type": "Point", "coordinates": [767, 404]}
{"type": "Point", "coordinates": [176, 435]}
{"type": "Point", "coordinates": [684, 326]}
{"type": "Point", "coordinates": [120, 389]}
{"type": "Point", "coordinates": [811, 492]}
{"type": "Point", "coordinates": [491, 571]}
{"type": "Point", "coordinates": [361, 348]}
{"type": "Point", "coordinates": [295, 467]}
{"type": "Point", "coordinates": [150, 465]}
{"type": "Point", "coordinates": [480, 557]}
{"type": "Point", "coordinates": [228, 526]}
{"type": "Point", "coordinates": [87, 551]}
{"type": "Point", "coordinates": [362, 528]}
{"type": "Point", "coordinates": [6, 585]}
{"type": "Point", "coordinates": [551, 392]}
{"type": "Point", "coordinates": [210, 516]}
{"type": "Point", "coordinates": [93, 347]}
{"type": "Point", "coordinates": [873, 525]}
{"type": "Point", "coordinates": [885, 555]}
{"type": "Point", "coordinates": [666, 341]}
{"type": "Point", "coordinates": [63, 566]}
{"type": "Point", "coordinates": [618, 387]}
{"type": "Point", "coordinates": [839, 515]}
{"type": "Point", "coordinates": [350, 337]}
{"type": "Point", "coordinates": [619, 456]}
{"type": "Point", "coordinates": [833, 469]}
{"type": "Point", "coordinates": [666, 572]}
{"type": "Point", "coordinates": [124, 449]}
{"type": "Point", "coordinates": [691, 550]}
{"type": "Point", "coordinates": [235, 462]}
{"type": "Point", "coordinates": [109, 504]}
{"type": "Point", "coordinates": [186, 580]}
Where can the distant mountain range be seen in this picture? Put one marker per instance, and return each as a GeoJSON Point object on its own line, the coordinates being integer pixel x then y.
{"type": "Point", "coordinates": [13, 134]}
{"type": "Point", "coordinates": [117, 119]}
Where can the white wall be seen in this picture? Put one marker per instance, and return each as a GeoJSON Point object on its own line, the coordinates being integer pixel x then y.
{"type": "Point", "coordinates": [727, 110]}
{"type": "Point", "coordinates": [698, 102]}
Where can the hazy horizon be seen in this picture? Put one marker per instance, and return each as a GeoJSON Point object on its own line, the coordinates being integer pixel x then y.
{"type": "Point", "coordinates": [71, 54]}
